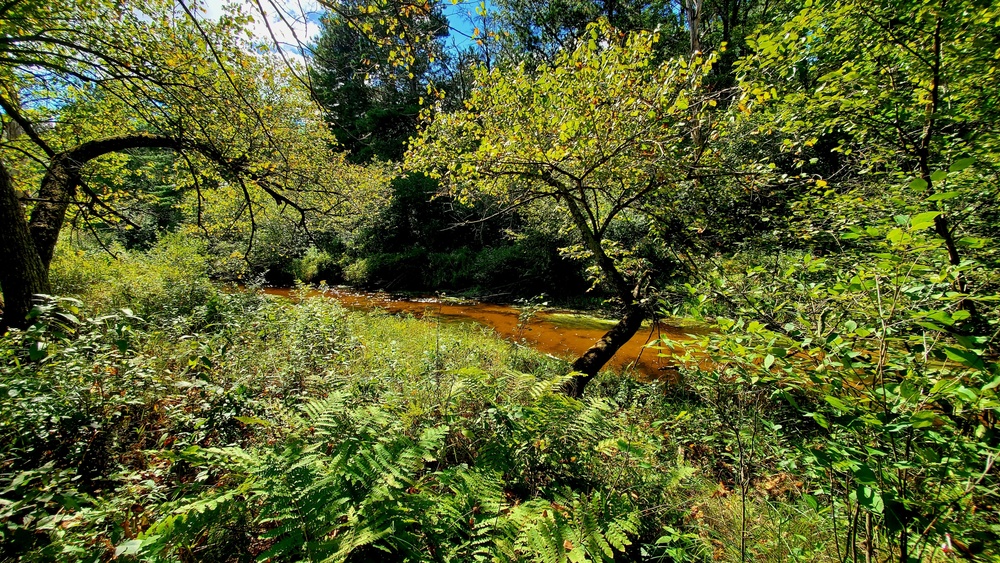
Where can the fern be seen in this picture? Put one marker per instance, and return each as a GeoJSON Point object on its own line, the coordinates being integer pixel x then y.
{"type": "Point", "coordinates": [354, 480]}
{"type": "Point", "coordinates": [572, 528]}
{"type": "Point", "coordinates": [189, 522]}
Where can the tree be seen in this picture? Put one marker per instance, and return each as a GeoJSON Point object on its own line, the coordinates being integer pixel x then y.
{"type": "Point", "coordinates": [866, 97]}
{"type": "Point", "coordinates": [603, 132]}
{"type": "Point", "coordinates": [371, 97]}
{"type": "Point", "coordinates": [878, 300]}
{"type": "Point", "coordinates": [152, 77]}
{"type": "Point", "coordinates": [538, 31]}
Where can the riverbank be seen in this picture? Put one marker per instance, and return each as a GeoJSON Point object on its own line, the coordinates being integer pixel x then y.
{"type": "Point", "coordinates": [561, 333]}
{"type": "Point", "coordinates": [161, 418]}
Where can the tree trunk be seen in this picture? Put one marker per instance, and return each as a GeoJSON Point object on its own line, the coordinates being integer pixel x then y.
{"type": "Point", "coordinates": [22, 273]}
{"type": "Point", "coordinates": [594, 359]}
{"type": "Point", "coordinates": [693, 8]}
{"type": "Point", "coordinates": [600, 353]}
{"type": "Point", "coordinates": [26, 247]}
{"type": "Point", "coordinates": [57, 191]}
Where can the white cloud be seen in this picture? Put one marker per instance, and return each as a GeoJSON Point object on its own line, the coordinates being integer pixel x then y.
{"type": "Point", "coordinates": [212, 9]}
{"type": "Point", "coordinates": [292, 23]}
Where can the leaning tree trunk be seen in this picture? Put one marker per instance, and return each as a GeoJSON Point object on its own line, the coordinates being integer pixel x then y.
{"type": "Point", "coordinates": [27, 247]}
{"type": "Point", "coordinates": [22, 272]}
{"type": "Point", "coordinates": [57, 190]}
{"type": "Point", "coordinates": [600, 353]}
{"type": "Point", "coordinates": [59, 185]}
{"type": "Point", "coordinates": [587, 365]}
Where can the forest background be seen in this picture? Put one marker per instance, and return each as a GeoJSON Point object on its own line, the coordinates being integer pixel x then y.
{"type": "Point", "coordinates": [814, 182]}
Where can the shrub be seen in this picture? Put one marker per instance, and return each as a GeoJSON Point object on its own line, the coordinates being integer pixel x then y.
{"type": "Point", "coordinates": [314, 264]}
{"type": "Point", "coordinates": [171, 279]}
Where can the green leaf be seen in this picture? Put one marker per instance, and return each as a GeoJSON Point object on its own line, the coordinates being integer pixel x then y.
{"type": "Point", "coordinates": [131, 547]}
{"type": "Point", "coordinates": [972, 242]}
{"type": "Point", "coordinates": [768, 361]}
{"type": "Point", "coordinates": [870, 499]}
{"type": "Point", "coordinates": [895, 236]}
{"type": "Point", "coordinates": [788, 397]}
{"type": "Point", "coordinates": [577, 554]}
{"type": "Point", "coordinates": [836, 403]}
{"type": "Point", "coordinates": [938, 175]}
{"type": "Point", "coordinates": [918, 184]}
{"type": "Point", "coordinates": [942, 317]}
{"type": "Point", "coordinates": [961, 164]}
{"type": "Point", "coordinates": [924, 220]}
{"type": "Point", "coordinates": [924, 419]}
{"type": "Point", "coordinates": [943, 196]}
{"type": "Point", "coordinates": [38, 350]}
{"type": "Point", "coordinates": [249, 420]}
{"type": "Point", "coordinates": [931, 326]}
{"type": "Point", "coordinates": [943, 383]}
{"type": "Point", "coordinates": [71, 318]}
{"type": "Point", "coordinates": [964, 357]}
{"type": "Point", "coordinates": [811, 501]}
{"type": "Point", "coordinates": [820, 419]}
{"type": "Point", "coordinates": [864, 474]}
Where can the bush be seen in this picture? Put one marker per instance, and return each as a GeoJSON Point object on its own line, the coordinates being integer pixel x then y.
{"type": "Point", "coordinates": [368, 431]}
{"type": "Point", "coordinates": [171, 279]}
{"type": "Point", "coordinates": [314, 265]}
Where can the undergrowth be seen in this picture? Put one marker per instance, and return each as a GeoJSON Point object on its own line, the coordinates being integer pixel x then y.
{"type": "Point", "coordinates": [237, 427]}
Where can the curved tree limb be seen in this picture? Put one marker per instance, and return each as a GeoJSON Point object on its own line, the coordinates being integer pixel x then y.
{"type": "Point", "coordinates": [59, 185]}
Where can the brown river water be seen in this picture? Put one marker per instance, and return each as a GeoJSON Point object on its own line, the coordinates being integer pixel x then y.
{"type": "Point", "coordinates": [560, 333]}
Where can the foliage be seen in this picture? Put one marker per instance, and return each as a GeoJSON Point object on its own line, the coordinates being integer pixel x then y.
{"type": "Point", "coordinates": [168, 280]}
{"type": "Point", "coordinates": [895, 392]}
{"type": "Point", "coordinates": [168, 83]}
{"type": "Point", "coordinates": [249, 238]}
{"type": "Point", "coordinates": [361, 480]}
{"type": "Point", "coordinates": [854, 99]}
{"type": "Point", "coordinates": [370, 95]}
{"type": "Point", "coordinates": [538, 31]}
{"type": "Point", "coordinates": [299, 430]}
{"type": "Point", "coordinates": [530, 265]}
{"type": "Point", "coordinates": [828, 182]}
{"type": "Point", "coordinates": [88, 83]}
{"type": "Point", "coordinates": [614, 108]}
{"type": "Point", "coordinates": [628, 136]}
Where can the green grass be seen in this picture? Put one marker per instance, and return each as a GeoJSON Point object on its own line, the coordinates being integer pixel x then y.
{"type": "Point", "coordinates": [572, 320]}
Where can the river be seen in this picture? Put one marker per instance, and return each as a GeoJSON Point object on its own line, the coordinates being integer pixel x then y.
{"type": "Point", "coordinates": [564, 334]}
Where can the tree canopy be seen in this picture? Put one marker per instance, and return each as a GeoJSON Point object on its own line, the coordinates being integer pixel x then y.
{"type": "Point", "coordinates": [811, 186]}
{"type": "Point", "coordinates": [605, 132]}
{"type": "Point", "coordinates": [86, 83]}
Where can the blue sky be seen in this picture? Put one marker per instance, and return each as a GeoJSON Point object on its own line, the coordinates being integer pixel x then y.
{"type": "Point", "coordinates": [460, 18]}
{"type": "Point", "coordinates": [302, 17]}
